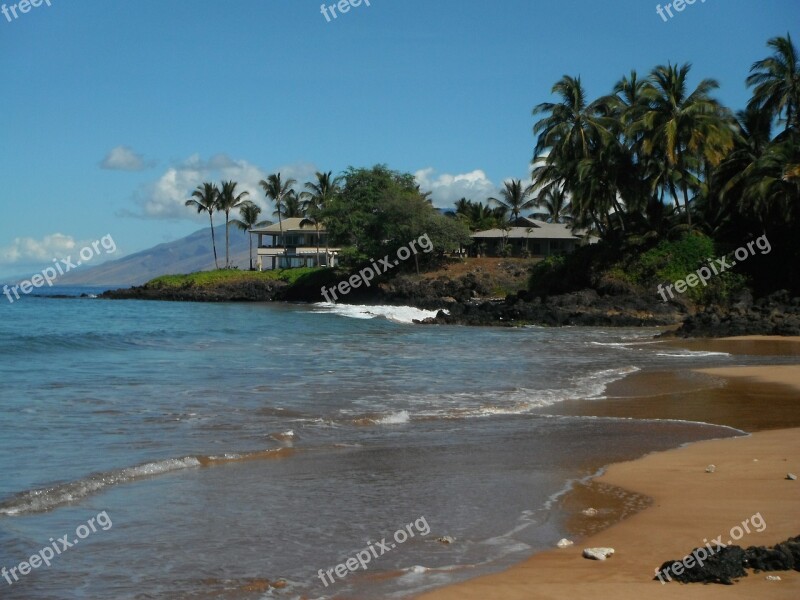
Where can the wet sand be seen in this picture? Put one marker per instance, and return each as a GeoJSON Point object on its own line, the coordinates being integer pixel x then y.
{"type": "Point", "coordinates": [678, 503]}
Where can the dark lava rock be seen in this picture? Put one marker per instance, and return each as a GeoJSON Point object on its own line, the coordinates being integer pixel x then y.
{"type": "Point", "coordinates": [782, 557]}
{"type": "Point", "coordinates": [776, 314]}
{"type": "Point", "coordinates": [722, 567]}
{"type": "Point", "coordinates": [251, 291]}
{"type": "Point", "coordinates": [730, 563]}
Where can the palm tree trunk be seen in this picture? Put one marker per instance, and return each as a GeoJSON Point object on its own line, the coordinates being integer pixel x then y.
{"type": "Point", "coordinates": [227, 243]}
{"type": "Point", "coordinates": [249, 235]}
{"type": "Point", "coordinates": [318, 261]}
{"type": "Point", "coordinates": [280, 224]}
{"type": "Point", "coordinates": [213, 240]}
{"type": "Point", "coordinates": [686, 203]}
{"type": "Point", "coordinates": [618, 210]}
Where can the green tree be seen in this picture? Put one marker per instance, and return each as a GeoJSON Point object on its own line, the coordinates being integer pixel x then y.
{"type": "Point", "coordinates": [227, 201]}
{"type": "Point", "coordinates": [475, 215]}
{"type": "Point", "coordinates": [292, 206]}
{"type": "Point", "coordinates": [568, 132]}
{"type": "Point", "coordinates": [204, 199]}
{"type": "Point", "coordinates": [556, 207]}
{"type": "Point", "coordinates": [277, 190]}
{"type": "Point", "coordinates": [776, 82]}
{"type": "Point", "coordinates": [249, 212]}
{"type": "Point", "coordinates": [379, 210]}
{"type": "Point", "coordinates": [514, 197]}
{"type": "Point", "coordinates": [315, 199]}
{"type": "Point", "coordinates": [681, 130]}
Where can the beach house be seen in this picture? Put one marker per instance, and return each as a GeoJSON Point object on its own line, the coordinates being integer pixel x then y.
{"type": "Point", "coordinates": [293, 243]}
{"type": "Point", "coordinates": [529, 237]}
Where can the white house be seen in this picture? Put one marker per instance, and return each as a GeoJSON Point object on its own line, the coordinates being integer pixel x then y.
{"type": "Point", "coordinates": [293, 243]}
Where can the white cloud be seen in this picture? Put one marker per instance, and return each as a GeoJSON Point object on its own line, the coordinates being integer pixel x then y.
{"type": "Point", "coordinates": [447, 189]}
{"type": "Point", "coordinates": [165, 198]}
{"type": "Point", "coordinates": [29, 250]}
{"type": "Point", "coordinates": [123, 158]}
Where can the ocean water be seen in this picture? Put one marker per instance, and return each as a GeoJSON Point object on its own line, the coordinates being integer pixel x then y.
{"type": "Point", "coordinates": [232, 443]}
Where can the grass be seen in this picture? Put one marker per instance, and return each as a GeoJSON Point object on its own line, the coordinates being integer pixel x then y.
{"type": "Point", "coordinates": [227, 276]}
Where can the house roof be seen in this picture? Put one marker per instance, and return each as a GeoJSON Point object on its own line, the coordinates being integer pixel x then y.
{"type": "Point", "coordinates": [291, 225]}
{"type": "Point", "coordinates": [524, 227]}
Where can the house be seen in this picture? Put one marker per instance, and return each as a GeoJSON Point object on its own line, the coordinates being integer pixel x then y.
{"type": "Point", "coordinates": [529, 237]}
{"type": "Point", "coordinates": [293, 243]}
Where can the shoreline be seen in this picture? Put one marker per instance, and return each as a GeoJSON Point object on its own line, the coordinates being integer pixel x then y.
{"type": "Point", "coordinates": [665, 487]}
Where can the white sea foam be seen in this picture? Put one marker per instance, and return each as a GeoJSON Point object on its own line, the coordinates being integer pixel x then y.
{"type": "Point", "coordinates": [44, 499]}
{"type": "Point", "coordinates": [502, 402]}
{"type": "Point", "coordinates": [398, 314]}
{"type": "Point", "coordinates": [691, 354]}
{"type": "Point", "coordinates": [49, 498]}
{"type": "Point", "coordinates": [397, 418]}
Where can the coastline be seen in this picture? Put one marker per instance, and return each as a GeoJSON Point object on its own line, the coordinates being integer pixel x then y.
{"type": "Point", "coordinates": [675, 503]}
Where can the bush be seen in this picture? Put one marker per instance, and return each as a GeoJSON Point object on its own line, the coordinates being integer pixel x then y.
{"type": "Point", "coordinates": [637, 265]}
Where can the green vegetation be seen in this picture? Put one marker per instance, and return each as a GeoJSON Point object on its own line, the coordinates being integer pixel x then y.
{"type": "Point", "coordinates": [228, 277]}
{"type": "Point", "coordinates": [658, 170]}
{"type": "Point", "coordinates": [378, 211]}
{"type": "Point", "coordinates": [637, 267]}
{"type": "Point", "coordinates": [656, 158]}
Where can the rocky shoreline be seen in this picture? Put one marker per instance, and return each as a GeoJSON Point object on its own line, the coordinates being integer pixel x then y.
{"type": "Point", "coordinates": [468, 301]}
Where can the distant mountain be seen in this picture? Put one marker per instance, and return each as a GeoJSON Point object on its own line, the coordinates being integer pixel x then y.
{"type": "Point", "coordinates": [187, 255]}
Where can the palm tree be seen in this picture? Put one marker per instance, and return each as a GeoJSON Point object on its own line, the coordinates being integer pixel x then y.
{"type": "Point", "coordinates": [226, 202]}
{"type": "Point", "coordinates": [777, 82]}
{"type": "Point", "coordinates": [627, 106]}
{"type": "Point", "coordinates": [249, 212]}
{"type": "Point", "coordinates": [276, 190]}
{"type": "Point", "coordinates": [317, 197]}
{"type": "Point", "coordinates": [569, 132]}
{"type": "Point", "coordinates": [555, 204]}
{"type": "Point", "coordinates": [681, 130]}
{"type": "Point", "coordinates": [204, 198]}
{"type": "Point", "coordinates": [292, 206]}
{"type": "Point", "coordinates": [733, 175]}
{"type": "Point", "coordinates": [514, 198]}
{"type": "Point", "coordinates": [773, 190]}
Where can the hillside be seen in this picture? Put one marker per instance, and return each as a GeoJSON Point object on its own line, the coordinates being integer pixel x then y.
{"type": "Point", "coordinates": [186, 255]}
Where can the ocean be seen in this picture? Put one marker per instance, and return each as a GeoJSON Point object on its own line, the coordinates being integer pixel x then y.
{"type": "Point", "coordinates": [230, 444]}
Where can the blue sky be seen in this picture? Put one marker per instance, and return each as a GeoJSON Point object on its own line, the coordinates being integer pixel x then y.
{"type": "Point", "coordinates": [114, 110]}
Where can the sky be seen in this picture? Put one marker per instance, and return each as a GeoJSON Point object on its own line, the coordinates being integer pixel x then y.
{"type": "Point", "coordinates": [113, 111]}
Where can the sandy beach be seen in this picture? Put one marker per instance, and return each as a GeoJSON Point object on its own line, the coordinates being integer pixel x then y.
{"type": "Point", "coordinates": [687, 505]}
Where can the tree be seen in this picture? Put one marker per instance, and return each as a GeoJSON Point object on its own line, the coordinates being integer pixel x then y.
{"type": "Point", "coordinates": [317, 197]}
{"type": "Point", "coordinates": [682, 130]}
{"type": "Point", "coordinates": [776, 82]}
{"type": "Point", "coordinates": [555, 204]}
{"type": "Point", "coordinates": [379, 210]}
{"type": "Point", "coordinates": [204, 199]}
{"type": "Point", "coordinates": [249, 212]}
{"type": "Point", "coordinates": [514, 198]}
{"type": "Point", "coordinates": [292, 206]}
{"type": "Point", "coordinates": [475, 215]}
{"type": "Point", "coordinates": [569, 132]}
{"type": "Point", "coordinates": [276, 190]}
{"type": "Point", "coordinates": [227, 201]}
{"type": "Point", "coordinates": [727, 202]}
